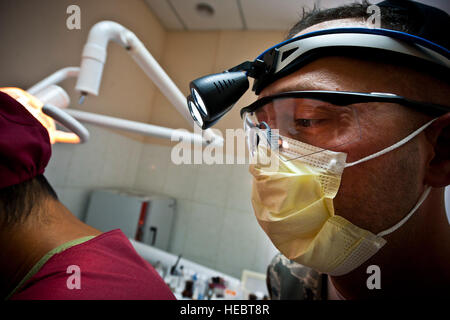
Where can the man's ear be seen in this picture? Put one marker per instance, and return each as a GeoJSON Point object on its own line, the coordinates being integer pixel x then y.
{"type": "Point", "coordinates": [438, 134]}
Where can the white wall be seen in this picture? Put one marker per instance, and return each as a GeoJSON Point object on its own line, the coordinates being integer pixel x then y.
{"type": "Point", "coordinates": [107, 160]}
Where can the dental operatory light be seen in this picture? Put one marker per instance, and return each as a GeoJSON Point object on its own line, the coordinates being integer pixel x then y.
{"type": "Point", "coordinates": [50, 112]}
{"type": "Point", "coordinates": [90, 75]}
{"type": "Point", "coordinates": [48, 102]}
{"type": "Point", "coordinates": [212, 96]}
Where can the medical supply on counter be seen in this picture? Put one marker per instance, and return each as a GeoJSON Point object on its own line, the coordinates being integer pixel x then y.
{"type": "Point", "coordinates": [160, 269]}
{"type": "Point", "coordinates": [200, 275]}
{"type": "Point", "coordinates": [173, 269]}
{"type": "Point", "coordinates": [188, 289]}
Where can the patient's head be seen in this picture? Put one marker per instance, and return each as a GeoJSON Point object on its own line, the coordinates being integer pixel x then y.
{"type": "Point", "coordinates": [25, 150]}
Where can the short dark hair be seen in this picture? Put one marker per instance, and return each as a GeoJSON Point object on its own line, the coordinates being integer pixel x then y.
{"type": "Point", "coordinates": [392, 17]}
{"type": "Point", "coordinates": [18, 201]}
{"type": "Point", "coordinates": [399, 15]}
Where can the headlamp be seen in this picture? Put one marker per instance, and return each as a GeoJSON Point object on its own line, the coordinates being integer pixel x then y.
{"type": "Point", "coordinates": [212, 96]}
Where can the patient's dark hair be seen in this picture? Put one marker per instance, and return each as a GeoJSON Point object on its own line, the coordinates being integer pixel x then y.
{"type": "Point", "coordinates": [17, 202]}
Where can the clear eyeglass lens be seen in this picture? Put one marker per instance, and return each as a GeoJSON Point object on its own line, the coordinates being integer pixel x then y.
{"type": "Point", "coordinates": [310, 121]}
{"type": "Point", "coordinates": [198, 99]}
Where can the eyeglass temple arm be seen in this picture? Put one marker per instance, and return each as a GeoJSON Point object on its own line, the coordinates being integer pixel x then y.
{"type": "Point", "coordinates": [341, 98]}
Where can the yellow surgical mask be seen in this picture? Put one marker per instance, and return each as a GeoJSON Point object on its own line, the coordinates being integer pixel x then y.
{"type": "Point", "coordinates": [293, 203]}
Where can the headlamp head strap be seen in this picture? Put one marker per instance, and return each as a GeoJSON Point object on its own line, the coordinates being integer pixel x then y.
{"type": "Point", "coordinates": [288, 56]}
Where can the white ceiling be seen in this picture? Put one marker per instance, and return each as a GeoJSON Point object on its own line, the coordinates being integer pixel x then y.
{"type": "Point", "coordinates": [244, 14]}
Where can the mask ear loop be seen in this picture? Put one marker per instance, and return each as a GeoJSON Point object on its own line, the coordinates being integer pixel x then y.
{"type": "Point", "coordinates": [394, 146]}
{"type": "Point", "coordinates": [401, 222]}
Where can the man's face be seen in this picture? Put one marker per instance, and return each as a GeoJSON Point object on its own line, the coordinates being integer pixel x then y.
{"type": "Point", "coordinates": [378, 193]}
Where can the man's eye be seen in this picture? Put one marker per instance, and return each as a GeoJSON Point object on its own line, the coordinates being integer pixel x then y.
{"type": "Point", "coordinates": [307, 126]}
{"type": "Point", "coordinates": [305, 123]}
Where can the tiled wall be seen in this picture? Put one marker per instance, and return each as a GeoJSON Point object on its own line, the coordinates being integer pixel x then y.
{"type": "Point", "coordinates": [215, 225]}
{"type": "Point", "coordinates": [107, 160]}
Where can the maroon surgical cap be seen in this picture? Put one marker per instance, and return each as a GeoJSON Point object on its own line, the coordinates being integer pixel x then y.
{"type": "Point", "coordinates": [25, 147]}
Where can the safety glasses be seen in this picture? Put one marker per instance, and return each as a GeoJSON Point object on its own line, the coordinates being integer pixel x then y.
{"type": "Point", "coordinates": [323, 119]}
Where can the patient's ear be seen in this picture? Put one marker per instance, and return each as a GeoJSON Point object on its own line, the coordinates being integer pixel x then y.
{"type": "Point", "coordinates": [437, 173]}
